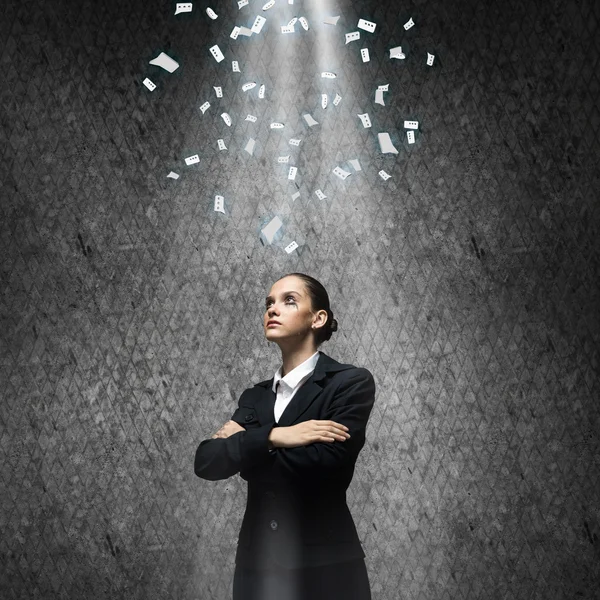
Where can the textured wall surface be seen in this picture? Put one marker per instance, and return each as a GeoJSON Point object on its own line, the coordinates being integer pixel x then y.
{"type": "Point", "coordinates": [467, 283]}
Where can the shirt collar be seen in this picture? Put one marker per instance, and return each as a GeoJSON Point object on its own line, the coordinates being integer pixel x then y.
{"type": "Point", "coordinates": [292, 379]}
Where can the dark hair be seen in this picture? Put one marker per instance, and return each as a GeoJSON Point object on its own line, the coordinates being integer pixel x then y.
{"type": "Point", "coordinates": [319, 300]}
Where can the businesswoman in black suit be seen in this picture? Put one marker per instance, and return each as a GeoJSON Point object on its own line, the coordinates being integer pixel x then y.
{"type": "Point", "coordinates": [295, 439]}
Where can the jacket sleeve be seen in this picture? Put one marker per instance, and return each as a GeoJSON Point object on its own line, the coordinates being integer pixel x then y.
{"type": "Point", "coordinates": [221, 458]}
{"type": "Point", "coordinates": [351, 406]}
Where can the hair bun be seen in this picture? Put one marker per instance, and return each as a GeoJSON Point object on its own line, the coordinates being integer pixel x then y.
{"type": "Point", "coordinates": [334, 325]}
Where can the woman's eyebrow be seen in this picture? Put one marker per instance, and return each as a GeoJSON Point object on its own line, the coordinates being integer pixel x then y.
{"type": "Point", "coordinates": [284, 293]}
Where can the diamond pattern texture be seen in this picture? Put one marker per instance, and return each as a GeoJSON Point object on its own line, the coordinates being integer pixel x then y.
{"type": "Point", "coordinates": [467, 283]}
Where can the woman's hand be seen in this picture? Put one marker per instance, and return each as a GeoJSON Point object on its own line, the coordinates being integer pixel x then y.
{"type": "Point", "coordinates": [308, 432]}
{"type": "Point", "coordinates": [228, 429]}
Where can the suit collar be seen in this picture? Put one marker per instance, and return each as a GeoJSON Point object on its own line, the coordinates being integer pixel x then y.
{"type": "Point", "coordinates": [293, 378]}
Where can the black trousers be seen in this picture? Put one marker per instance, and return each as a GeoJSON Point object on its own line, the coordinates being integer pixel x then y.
{"type": "Point", "coordinates": [339, 581]}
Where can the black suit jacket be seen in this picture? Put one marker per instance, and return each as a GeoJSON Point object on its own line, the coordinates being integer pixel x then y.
{"type": "Point", "coordinates": [296, 512]}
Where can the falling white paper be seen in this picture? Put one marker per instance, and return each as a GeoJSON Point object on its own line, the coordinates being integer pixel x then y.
{"type": "Point", "coordinates": [283, 159]}
{"type": "Point", "coordinates": [251, 118]}
{"type": "Point", "coordinates": [287, 29]}
{"type": "Point", "coordinates": [183, 7]}
{"type": "Point", "coordinates": [211, 13]}
{"type": "Point", "coordinates": [365, 119]}
{"type": "Point", "coordinates": [149, 84]}
{"type": "Point", "coordinates": [408, 24]}
{"type": "Point", "coordinates": [258, 24]}
{"type": "Point", "coordinates": [235, 32]}
{"type": "Point", "coordinates": [221, 145]}
{"type": "Point", "coordinates": [173, 175]}
{"type": "Point", "coordinates": [269, 5]}
{"type": "Point", "coordinates": [411, 124]}
{"type": "Point", "coordinates": [304, 23]}
{"type": "Point", "coordinates": [324, 101]}
{"type": "Point", "coordinates": [216, 52]}
{"type": "Point", "coordinates": [277, 125]}
{"type": "Point", "coordinates": [192, 160]}
{"type": "Point", "coordinates": [379, 97]}
{"type": "Point", "coordinates": [320, 195]}
{"type": "Point", "coordinates": [235, 66]}
{"type": "Point", "coordinates": [386, 143]}
{"type": "Point", "coordinates": [293, 22]}
{"type": "Point", "coordinates": [341, 173]}
{"type": "Point", "coordinates": [291, 247]}
{"type": "Point", "coordinates": [248, 86]}
{"type": "Point", "coordinates": [205, 107]}
{"type": "Point", "coordinates": [337, 99]}
{"type": "Point", "coordinates": [218, 91]}
{"type": "Point", "coordinates": [292, 173]}
{"type": "Point", "coordinates": [242, 3]}
{"type": "Point", "coordinates": [296, 196]}
{"type": "Point", "coordinates": [245, 31]}
{"type": "Point", "coordinates": [411, 136]}
{"type": "Point", "coordinates": [219, 204]}
{"type": "Point", "coordinates": [227, 119]}
{"type": "Point", "coordinates": [397, 53]}
{"type": "Point", "coordinates": [355, 164]}
{"type": "Point", "coordinates": [261, 91]}
{"type": "Point", "coordinates": [384, 175]}
{"type": "Point", "coordinates": [166, 62]}
{"type": "Point", "coordinates": [364, 53]}
{"type": "Point", "coordinates": [271, 229]}
{"type": "Point", "coordinates": [310, 120]}
{"type": "Point", "coordinates": [250, 146]}
{"type": "Point", "coordinates": [430, 59]}
{"type": "Point", "coordinates": [328, 75]}
{"type": "Point", "coordinates": [331, 20]}
{"type": "Point", "coordinates": [366, 25]}
{"type": "Point", "coordinates": [351, 37]}
{"type": "Point", "coordinates": [295, 142]}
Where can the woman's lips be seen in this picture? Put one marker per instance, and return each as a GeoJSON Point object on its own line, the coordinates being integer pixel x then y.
{"type": "Point", "coordinates": [273, 324]}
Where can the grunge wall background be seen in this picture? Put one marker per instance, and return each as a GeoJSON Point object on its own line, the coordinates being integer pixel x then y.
{"type": "Point", "coordinates": [467, 283]}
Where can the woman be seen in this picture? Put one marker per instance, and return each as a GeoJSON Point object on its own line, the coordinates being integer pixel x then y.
{"type": "Point", "coordinates": [295, 439]}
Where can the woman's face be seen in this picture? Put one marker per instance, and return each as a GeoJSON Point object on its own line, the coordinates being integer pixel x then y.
{"type": "Point", "coordinates": [289, 304]}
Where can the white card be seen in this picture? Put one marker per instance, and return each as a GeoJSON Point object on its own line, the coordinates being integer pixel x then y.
{"type": "Point", "coordinates": [397, 53]}
{"type": "Point", "coordinates": [211, 13]}
{"type": "Point", "coordinates": [235, 32]}
{"type": "Point", "coordinates": [331, 20]}
{"type": "Point", "coordinates": [271, 229]}
{"type": "Point", "coordinates": [218, 91]}
{"type": "Point", "coordinates": [384, 175]}
{"type": "Point", "coordinates": [341, 173]}
{"type": "Point", "coordinates": [430, 59]}
{"type": "Point", "coordinates": [250, 146]}
{"type": "Point", "coordinates": [408, 24]}
{"type": "Point", "coordinates": [379, 97]}
{"type": "Point", "coordinates": [386, 143]}
{"type": "Point", "coordinates": [205, 107]}
{"type": "Point", "coordinates": [411, 136]}
{"type": "Point", "coordinates": [293, 21]}
{"type": "Point", "coordinates": [355, 164]}
{"type": "Point", "coordinates": [324, 101]}
{"type": "Point", "coordinates": [291, 247]}
{"type": "Point", "coordinates": [221, 145]}
{"type": "Point", "coordinates": [261, 91]}
{"type": "Point", "coordinates": [258, 24]}
{"type": "Point", "coordinates": [219, 204]}
{"type": "Point", "coordinates": [235, 66]}
{"type": "Point", "coordinates": [166, 62]}
{"type": "Point", "coordinates": [251, 118]}
{"type": "Point", "coordinates": [269, 5]}
{"type": "Point", "coordinates": [248, 86]}
{"type": "Point", "coordinates": [283, 159]}
{"type": "Point", "coordinates": [296, 196]}
{"type": "Point", "coordinates": [216, 52]}
{"type": "Point", "coordinates": [320, 195]}
{"type": "Point", "coordinates": [310, 120]}
{"type": "Point", "coordinates": [384, 88]}
{"type": "Point", "coordinates": [192, 160]}
{"type": "Point", "coordinates": [245, 31]}
{"type": "Point", "coordinates": [351, 37]}
{"type": "Point", "coordinates": [242, 3]}
{"type": "Point", "coordinates": [277, 125]}
{"type": "Point", "coordinates": [294, 142]}
{"type": "Point", "coordinates": [173, 175]}
{"type": "Point", "coordinates": [287, 29]}
{"type": "Point", "coordinates": [292, 173]}
{"type": "Point", "coordinates": [366, 25]}
{"type": "Point", "coordinates": [328, 75]}
{"type": "Point", "coordinates": [183, 7]}
{"type": "Point", "coordinates": [337, 99]}
{"type": "Point", "coordinates": [411, 124]}
{"type": "Point", "coordinates": [304, 23]}
{"type": "Point", "coordinates": [364, 53]}
{"type": "Point", "coordinates": [366, 121]}
{"type": "Point", "coordinates": [227, 119]}
{"type": "Point", "coordinates": [149, 84]}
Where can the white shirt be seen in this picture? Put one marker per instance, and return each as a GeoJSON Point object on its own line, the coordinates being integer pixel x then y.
{"type": "Point", "coordinates": [290, 384]}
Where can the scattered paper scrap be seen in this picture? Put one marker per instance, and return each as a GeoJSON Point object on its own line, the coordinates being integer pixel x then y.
{"type": "Point", "coordinates": [271, 229]}
{"type": "Point", "coordinates": [235, 32]}
{"type": "Point", "coordinates": [295, 142]}
{"type": "Point", "coordinates": [277, 125]}
{"type": "Point", "coordinates": [409, 24]}
{"type": "Point", "coordinates": [221, 145]}
{"type": "Point", "coordinates": [295, 196]}
{"type": "Point", "coordinates": [364, 53]}
{"type": "Point", "coordinates": [269, 5]}
{"type": "Point", "coordinates": [320, 195]}
{"type": "Point", "coordinates": [397, 53]}
{"type": "Point", "coordinates": [324, 101]}
{"type": "Point", "coordinates": [166, 62]}
{"type": "Point", "coordinates": [218, 91]}
{"type": "Point", "coordinates": [205, 107]}
{"type": "Point", "coordinates": [245, 31]}
{"type": "Point", "coordinates": [258, 24]}
{"type": "Point", "coordinates": [227, 119]}
{"type": "Point", "coordinates": [173, 175]}
{"type": "Point", "coordinates": [384, 175]}
{"type": "Point", "coordinates": [337, 99]}
{"type": "Point", "coordinates": [251, 118]}
{"type": "Point", "coordinates": [192, 160]}
{"type": "Point", "coordinates": [291, 247]}
{"type": "Point", "coordinates": [216, 52]}
{"type": "Point", "coordinates": [304, 23]}
{"type": "Point", "coordinates": [310, 120]}
{"type": "Point", "coordinates": [183, 7]}
{"type": "Point", "coordinates": [379, 94]}
{"type": "Point", "coordinates": [365, 119]}
{"type": "Point", "coordinates": [328, 75]}
{"type": "Point", "coordinates": [250, 146]}
{"type": "Point", "coordinates": [293, 21]}
{"type": "Point", "coordinates": [287, 29]}
{"type": "Point", "coordinates": [366, 25]}
{"type": "Point", "coordinates": [386, 143]}
{"type": "Point", "coordinates": [411, 124]}
{"type": "Point", "coordinates": [248, 86]}
{"type": "Point", "coordinates": [242, 3]}
{"type": "Point", "coordinates": [283, 159]}
{"type": "Point", "coordinates": [261, 91]}
{"type": "Point", "coordinates": [292, 173]}
{"type": "Point", "coordinates": [331, 20]}
{"type": "Point", "coordinates": [211, 13]}
{"type": "Point", "coordinates": [341, 173]}
{"type": "Point", "coordinates": [219, 204]}
{"type": "Point", "coordinates": [355, 164]}
{"type": "Point", "coordinates": [235, 66]}
{"type": "Point", "coordinates": [411, 136]}
{"type": "Point", "coordinates": [149, 84]}
{"type": "Point", "coordinates": [430, 59]}
{"type": "Point", "coordinates": [351, 37]}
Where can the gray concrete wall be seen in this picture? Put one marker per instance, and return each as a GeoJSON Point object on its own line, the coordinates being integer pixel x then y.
{"type": "Point", "coordinates": [467, 284]}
